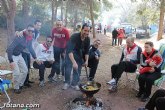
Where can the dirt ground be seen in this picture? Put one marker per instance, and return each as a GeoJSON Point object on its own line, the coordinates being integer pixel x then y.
{"type": "Point", "coordinates": [52, 97]}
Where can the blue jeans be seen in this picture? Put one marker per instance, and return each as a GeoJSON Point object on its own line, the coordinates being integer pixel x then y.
{"type": "Point", "coordinates": [76, 73]}
{"type": "Point", "coordinates": [58, 56]}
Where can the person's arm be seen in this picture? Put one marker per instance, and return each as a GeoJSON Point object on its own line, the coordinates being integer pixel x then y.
{"type": "Point", "coordinates": [38, 53]}
{"type": "Point", "coordinates": [52, 54]}
{"type": "Point", "coordinates": [31, 50]}
{"type": "Point", "coordinates": [70, 47]}
{"type": "Point", "coordinates": [11, 48]}
{"type": "Point", "coordinates": [137, 61]}
{"type": "Point", "coordinates": [91, 53]}
{"type": "Point", "coordinates": [67, 35]}
{"type": "Point", "coordinates": [122, 56]}
{"type": "Point", "coordinates": [87, 52]}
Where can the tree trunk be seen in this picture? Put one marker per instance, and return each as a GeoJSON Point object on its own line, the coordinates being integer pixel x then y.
{"type": "Point", "coordinates": [25, 12]}
{"type": "Point", "coordinates": [75, 19]}
{"type": "Point", "coordinates": [9, 7]}
{"type": "Point", "coordinates": [53, 14]}
{"type": "Point", "coordinates": [92, 19]}
{"type": "Point", "coordinates": [66, 14]}
{"type": "Point", "coordinates": [61, 10]}
{"type": "Point", "coordinates": [161, 20]}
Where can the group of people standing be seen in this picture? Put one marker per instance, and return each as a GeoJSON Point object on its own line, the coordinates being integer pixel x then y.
{"type": "Point", "coordinates": [60, 52]}
{"type": "Point", "coordinates": [117, 36]}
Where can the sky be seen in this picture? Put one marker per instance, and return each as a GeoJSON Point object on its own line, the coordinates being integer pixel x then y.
{"type": "Point", "coordinates": [114, 15]}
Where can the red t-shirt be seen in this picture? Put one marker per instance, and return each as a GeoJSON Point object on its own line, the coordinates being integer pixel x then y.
{"type": "Point", "coordinates": [61, 37]}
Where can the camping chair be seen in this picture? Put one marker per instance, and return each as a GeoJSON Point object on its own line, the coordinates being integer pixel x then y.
{"type": "Point", "coordinates": [4, 85]}
{"type": "Point", "coordinates": [159, 82]}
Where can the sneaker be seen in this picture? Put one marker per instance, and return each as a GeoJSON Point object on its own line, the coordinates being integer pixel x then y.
{"type": "Point", "coordinates": [41, 84]}
{"type": "Point", "coordinates": [113, 88]}
{"type": "Point", "coordinates": [66, 86]}
{"type": "Point", "coordinates": [51, 80]}
{"type": "Point", "coordinates": [17, 91]}
{"type": "Point", "coordinates": [58, 78]}
{"type": "Point", "coordinates": [111, 82]}
{"type": "Point", "coordinates": [76, 87]}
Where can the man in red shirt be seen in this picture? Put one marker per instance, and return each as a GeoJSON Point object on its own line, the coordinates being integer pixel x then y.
{"type": "Point", "coordinates": [60, 36]}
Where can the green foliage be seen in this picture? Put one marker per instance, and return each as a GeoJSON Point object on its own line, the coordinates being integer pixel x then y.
{"type": "Point", "coordinates": [107, 4]}
{"type": "Point", "coordinates": [41, 9]}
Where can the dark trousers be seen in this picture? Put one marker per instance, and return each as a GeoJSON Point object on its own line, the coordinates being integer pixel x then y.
{"type": "Point", "coordinates": [92, 64]}
{"type": "Point", "coordinates": [42, 67]}
{"type": "Point", "coordinates": [120, 40]}
{"type": "Point", "coordinates": [157, 100]}
{"type": "Point", "coordinates": [118, 69]}
{"type": "Point", "coordinates": [146, 81]}
{"type": "Point", "coordinates": [114, 40]}
{"type": "Point", "coordinates": [58, 56]}
{"type": "Point", "coordinates": [26, 57]}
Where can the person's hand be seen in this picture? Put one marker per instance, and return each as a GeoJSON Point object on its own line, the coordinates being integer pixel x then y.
{"type": "Point", "coordinates": [152, 64]}
{"type": "Point", "coordinates": [85, 64]}
{"type": "Point", "coordinates": [39, 62]}
{"type": "Point", "coordinates": [96, 57]}
{"type": "Point", "coordinates": [19, 34]}
{"type": "Point", "coordinates": [51, 61]}
{"type": "Point", "coordinates": [152, 70]}
{"type": "Point", "coordinates": [64, 54]}
{"type": "Point", "coordinates": [12, 65]}
{"type": "Point", "coordinates": [127, 59]}
{"type": "Point", "coordinates": [75, 66]}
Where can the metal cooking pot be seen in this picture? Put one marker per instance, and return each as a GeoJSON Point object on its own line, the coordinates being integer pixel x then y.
{"type": "Point", "coordinates": [90, 93]}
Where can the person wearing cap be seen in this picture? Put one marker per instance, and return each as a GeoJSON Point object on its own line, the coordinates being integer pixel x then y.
{"type": "Point", "coordinates": [16, 60]}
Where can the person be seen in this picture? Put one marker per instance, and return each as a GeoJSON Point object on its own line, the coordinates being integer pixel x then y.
{"type": "Point", "coordinates": [128, 62]}
{"type": "Point", "coordinates": [76, 56]}
{"type": "Point", "coordinates": [147, 79]}
{"type": "Point", "coordinates": [94, 56]}
{"type": "Point", "coordinates": [114, 36]}
{"type": "Point", "coordinates": [25, 54]}
{"type": "Point", "coordinates": [37, 27]}
{"type": "Point", "coordinates": [45, 59]}
{"type": "Point", "coordinates": [157, 101]}
{"type": "Point", "coordinates": [156, 58]}
{"type": "Point", "coordinates": [16, 60]}
{"type": "Point", "coordinates": [61, 36]}
{"type": "Point", "coordinates": [121, 35]}
{"type": "Point", "coordinates": [105, 29]}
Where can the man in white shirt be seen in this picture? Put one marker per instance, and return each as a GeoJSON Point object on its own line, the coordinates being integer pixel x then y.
{"type": "Point", "coordinates": [45, 59]}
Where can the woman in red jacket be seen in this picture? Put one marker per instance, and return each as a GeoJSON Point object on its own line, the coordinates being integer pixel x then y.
{"type": "Point", "coordinates": [121, 35]}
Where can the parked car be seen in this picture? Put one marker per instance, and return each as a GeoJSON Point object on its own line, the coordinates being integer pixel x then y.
{"type": "Point", "coordinates": [140, 33]}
